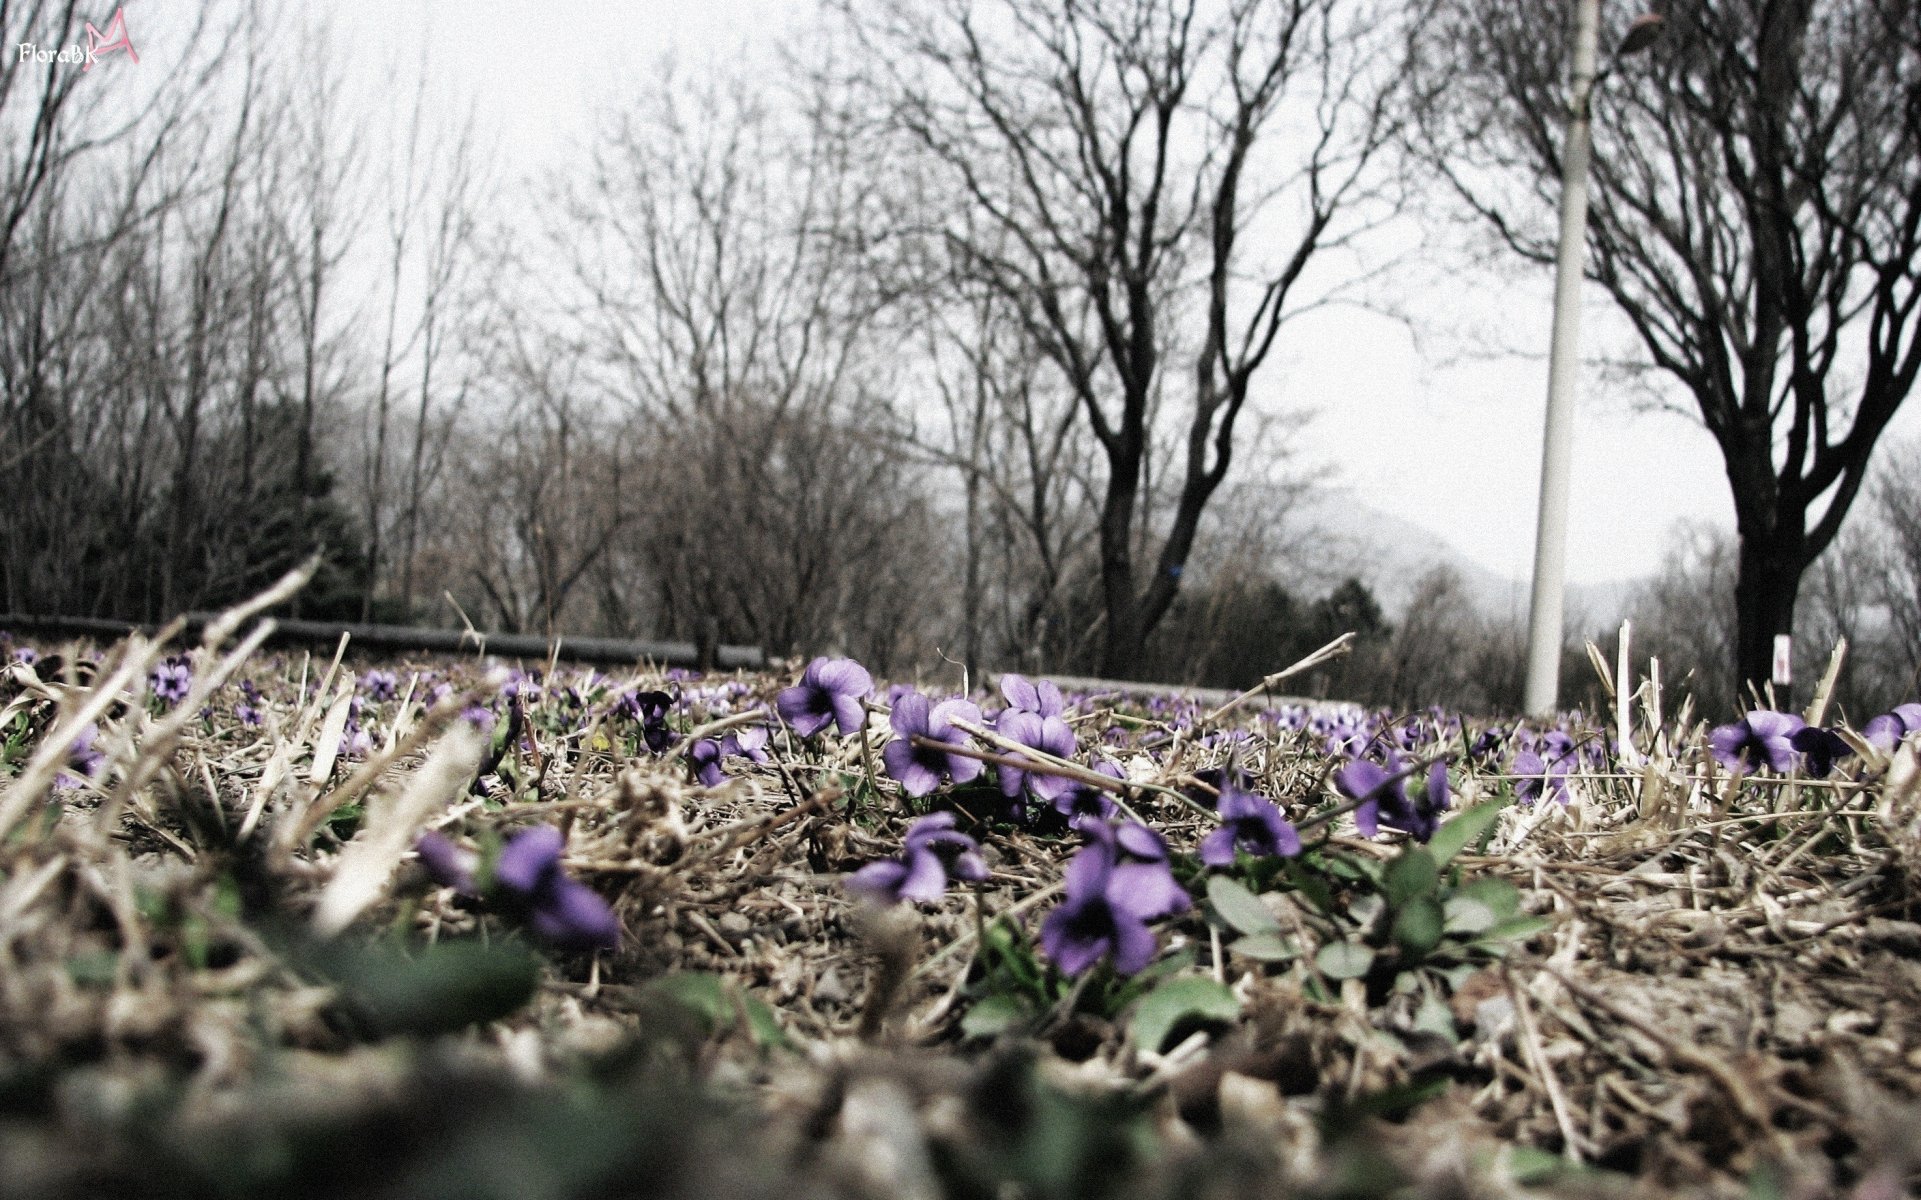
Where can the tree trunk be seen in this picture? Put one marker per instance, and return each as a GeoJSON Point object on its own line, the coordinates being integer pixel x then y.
{"type": "Point", "coordinates": [1766, 582]}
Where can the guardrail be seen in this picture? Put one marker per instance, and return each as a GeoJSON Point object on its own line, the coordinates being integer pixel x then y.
{"type": "Point", "coordinates": [404, 639]}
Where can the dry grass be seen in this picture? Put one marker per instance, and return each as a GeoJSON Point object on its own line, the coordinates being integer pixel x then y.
{"type": "Point", "coordinates": [1726, 1002]}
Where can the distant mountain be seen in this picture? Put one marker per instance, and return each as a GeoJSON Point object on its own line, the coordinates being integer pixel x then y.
{"type": "Point", "coordinates": [1390, 554]}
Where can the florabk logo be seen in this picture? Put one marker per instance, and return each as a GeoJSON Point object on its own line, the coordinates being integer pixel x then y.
{"type": "Point", "coordinates": [113, 41]}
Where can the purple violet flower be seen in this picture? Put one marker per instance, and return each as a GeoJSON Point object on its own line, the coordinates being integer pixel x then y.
{"type": "Point", "coordinates": [1106, 910]}
{"type": "Point", "coordinates": [447, 864]}
{"type": "Point", "coordinates": [84, 758]}
{"type": "Point", "coordinates": [1535, 777]}
{"type": "Point", "coordinates": [1385, 799]}
{"type": "Point", "coordinates": [1023, 695]}
{"type": "Point", "coordinates": [919, 768]}
{"type": "Point", "coordinates": [1820, 749]}
{"type": "Point", "coordinates": [560, 909]}
{"type": "Point", "coordinates": [1081, 804]}
{"type": "Point", "coordinates": [1050, 735]}
{"type": "Point", "coordinates": [830, 689]}
{"type": "Point", "coordinates": [1760, 739]}
{"type": "Point", "coordinates": [379, 685]}
{"type": "Point", "coordinates": [650, 710]}
{"type": "Point", "coordinates": [1250, 823]}
{"type": "Point", "coordinates": [1888, 730]}
{"type": "Point", "coordinates": [704, 757]}
{"type": "Point", "coordinates": [171, 680]}
{"type": "Point", "coordinates": [932, 851]}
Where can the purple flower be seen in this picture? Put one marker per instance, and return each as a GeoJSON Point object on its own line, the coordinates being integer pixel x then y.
{"type": "Point", "coordinates": [1384, 797]}
{"type": "Point", "coordinates": [650, 710]}
{"type": "Point", "coordinates": [932, 851]}
{"type": "Point", "coordinates": [1535, 777]}
{"type": "Point", "coordinates": [171, 680]}
{"type": "Point", "coordinates": [1042, 699]}
{"type": "Point", "coordinates": [560, 909]}
{"type": "Point", "coordinates": [379, 685]}
{"type": "Point", "coordinates": [1887, 731]}
{"type": "Point", "coordinates": [830, 689]}
{"type": "Point", "coordinates": [1132, 844]}
{"type": "Point", "coordinates": [1081, 804]}
{"type": "Point", "coordinates": [919, 768]}
{"type": "Point", "coordinates": [1248, 823]}
{"type": "Point", "coordinates": [1760, 739]}
{"type": "Point", "coordinates": [447, 864]}
{"type": "Point", "coordinates": [749, 743]}
{"type": "Point", "coordinates": [1050, 735]}
{"type": "Point", "coordinates": [1820, 749]}
{"type": "Point", "coordinates": [1488, 743]}
{"type": "Point", "coordinates": [1106, 911]}
{"type": "Point", "coordinates": [84, 758]}
{"type": "Point", "coordinates": [704, 757]}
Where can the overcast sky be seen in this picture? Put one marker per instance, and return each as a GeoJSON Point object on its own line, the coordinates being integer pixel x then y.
{"type": "Point", "coordinates": [1452, 445]}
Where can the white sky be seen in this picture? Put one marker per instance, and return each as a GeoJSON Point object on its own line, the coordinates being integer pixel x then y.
{"type": "Point", "coordinates": [1453, 446]}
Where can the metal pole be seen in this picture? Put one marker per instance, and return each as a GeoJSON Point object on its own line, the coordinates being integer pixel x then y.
{"type": "Point", "coordinates": [1545, 611]}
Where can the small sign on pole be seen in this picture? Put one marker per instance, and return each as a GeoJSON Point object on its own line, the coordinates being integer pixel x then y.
{"type": "Point", "coordinates": [1783, 659]}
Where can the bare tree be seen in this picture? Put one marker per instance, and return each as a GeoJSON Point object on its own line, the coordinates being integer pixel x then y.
{"type": "Point", "coordinates": [740, 338]}
{"type": "Point", "coordinates": [1684, 616]}
{"type": "Point", "coordinates": [430, 199]}
{"type": "Point", "coordinates": [1117, 175]}
{"type": "Point", "coordinates": [1756, 216]}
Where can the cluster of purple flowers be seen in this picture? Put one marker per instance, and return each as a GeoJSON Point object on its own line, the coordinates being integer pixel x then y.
{"type": "Point", "coordinates": [250, 711]}
{"type": "Point", "coordinates": [528, 877]}
{"type": "Point", "coordinates": [1542, 764]}
{"type": "Point", "coordinates": [705, 754]}
{"type": "Point", "coordinates": [1780, 741]}
{"type": "Point", "coordinates": [649, 710]}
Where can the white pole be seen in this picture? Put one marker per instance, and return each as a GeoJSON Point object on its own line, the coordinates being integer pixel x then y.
{"type": "Point", "coordinates": [1545, 612]}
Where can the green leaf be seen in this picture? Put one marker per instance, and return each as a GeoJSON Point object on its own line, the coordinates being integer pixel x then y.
{"type": "Point", "coordinates": [1311, 886]}
{"type": "Point", "coordinates": [445, 987]}
{"type": "Point", "coordinates": [995, 1015]}
{"type": "Point", "coordinates": [1239, 907]}
{"type": "Point", "coordinates": [1188, 999]}
{"type": "Point", "coordinates": [1344, 960]}
{"type": "Point", "coordinates": [1434, 1016]}
{"type": "Point", "coordinates": [1500, 896]}
{"type": "Point", "coordinates": [1418, 926]}
{"type": "Point", "coordinates": [1464, 830]}
{"type": "Point", "coordinates": [698, 994]}
{"type": "Point", "coordinates": [1465, 914]}
{"type": "Point", "coordinates": [1349, 866]}
{"type": "Point", "coordinates": [95, 968]}
{"type": "Point", "coordinates": [762, 1025]}
{"type": "Point", "coordinates": [1515, 929]}
{"type": "Point", "coordinates": [1118, 994]}
{"type": "Point", "coordinates": [1413, 873]}
{"type": "Point", "coordinates": [1267, 947]}
{"type": "Point", "coordinates": [1531, 1167]}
